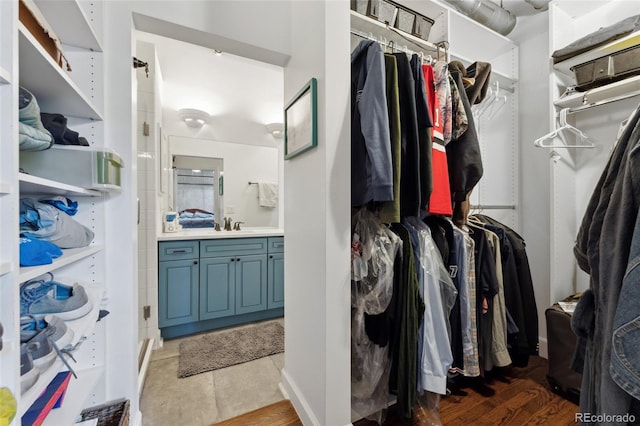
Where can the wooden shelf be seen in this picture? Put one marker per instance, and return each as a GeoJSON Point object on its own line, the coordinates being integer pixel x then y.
{"type": "Point", "coordinates": [54, 89]}
{"type": "Point", "coordinates": [68, 257]}
{"type": "Point", "coordinates": [60, 13]}
{"type": "Point", "coordinates": [630, 40]}
{"type": "Point", "coordinates": [5, 76]}
{"type": "Point", "coordinates": [30, 184]}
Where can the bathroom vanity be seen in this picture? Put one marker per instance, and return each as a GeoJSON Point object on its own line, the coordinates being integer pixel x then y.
{"type": "Point", "coordinates": [213, 279]}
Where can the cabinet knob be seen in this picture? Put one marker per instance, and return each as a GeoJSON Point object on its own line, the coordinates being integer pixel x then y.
{"type": "Point", "coordinates": [237, 259]}
{"type": "Point", "coordinates": [270, 256]}
{"type": "Point", "coordinates": [233, 258]}
{"type": "Point", "coordinates": [195, 262]}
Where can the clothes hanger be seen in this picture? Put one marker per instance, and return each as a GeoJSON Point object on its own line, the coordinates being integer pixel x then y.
{"type": "Point", "coordinates": [584, 140]}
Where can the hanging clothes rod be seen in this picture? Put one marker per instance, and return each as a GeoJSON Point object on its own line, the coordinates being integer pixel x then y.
{"type": "Point", "coordinates": [603, 102]}
{"type": "Point", "coordinates": [253, 183]}
{"type": "Point", "coordinates": [493, 207]}
{"type": "Point", "coordinates": [437, 48]}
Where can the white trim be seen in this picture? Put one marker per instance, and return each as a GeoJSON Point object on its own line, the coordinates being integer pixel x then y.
{"type": "Point", "coordinates": [543, 348]}
{"type": "Point", "coordinates": [303, 409]}
{"type": "Point", "coordinates": [142, 373]}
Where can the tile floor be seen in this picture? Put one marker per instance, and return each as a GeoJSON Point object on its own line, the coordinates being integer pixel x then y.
{"type": "Point", "coordinates": [208, 397]}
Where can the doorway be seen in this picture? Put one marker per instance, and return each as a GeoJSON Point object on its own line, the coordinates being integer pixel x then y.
{"type": "Point", "coordinates": [213, 396]}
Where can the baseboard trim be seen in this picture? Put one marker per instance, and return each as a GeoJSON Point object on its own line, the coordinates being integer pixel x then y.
{"type": "Point", "coordinates": [298, 401]}
{"type": "Point", "coordinates": [144, 366]}
{"type": "Point", "coordinates": [543, 348]}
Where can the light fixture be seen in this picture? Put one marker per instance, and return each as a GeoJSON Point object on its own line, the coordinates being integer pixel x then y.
{"type": "Point", "coordinates": [276, 129]}
{"type": "Point", "coordinates": [194, 117]}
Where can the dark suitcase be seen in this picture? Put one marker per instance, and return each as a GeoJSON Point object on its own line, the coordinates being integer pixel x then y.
{"type": "Point", "coordinates": [561, 343]}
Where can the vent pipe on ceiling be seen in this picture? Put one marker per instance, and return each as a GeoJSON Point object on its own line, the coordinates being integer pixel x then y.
{"type": "Point", "coordinates": [487, 13]}
{"type": "Point", "coordinates": [540, 5]}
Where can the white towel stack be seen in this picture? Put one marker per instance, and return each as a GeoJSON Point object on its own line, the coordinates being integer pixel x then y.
{"type": "Point", "coordinates": [267, 194]}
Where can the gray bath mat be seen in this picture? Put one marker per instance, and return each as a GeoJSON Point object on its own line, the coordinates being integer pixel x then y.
{"type": "Point", "coordinates": [229, 347]}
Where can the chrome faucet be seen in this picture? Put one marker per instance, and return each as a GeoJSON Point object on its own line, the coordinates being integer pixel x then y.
{"type": "Point", "coordinates": [237, 226]}
{"type": "Point", "coordinates": [227, 223]}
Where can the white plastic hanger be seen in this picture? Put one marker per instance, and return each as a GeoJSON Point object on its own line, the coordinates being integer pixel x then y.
{"type": "Point", "coordinates": [582, 139]}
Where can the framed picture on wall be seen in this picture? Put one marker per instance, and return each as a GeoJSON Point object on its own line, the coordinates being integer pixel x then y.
{"type": "Point", "coordinates": [301, 121]}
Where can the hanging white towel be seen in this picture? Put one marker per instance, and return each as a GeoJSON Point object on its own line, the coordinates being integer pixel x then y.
{"type": "Point", "coordinates": [267, 194]}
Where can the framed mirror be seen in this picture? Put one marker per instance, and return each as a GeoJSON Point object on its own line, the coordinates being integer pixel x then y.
{"type": "Point", "coordinates": [198, 196]}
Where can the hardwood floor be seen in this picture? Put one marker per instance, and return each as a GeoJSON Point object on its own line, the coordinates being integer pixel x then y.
{"type": "Point", "coordinates": [279, 414]}
{"type": "Point", "coordinates": [516, 396]}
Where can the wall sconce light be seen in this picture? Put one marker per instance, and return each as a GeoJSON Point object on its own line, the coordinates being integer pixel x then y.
{"type": "Point", "coordinates": [276, 129]}
{"type": "Point", "coordinates": [194, 117]}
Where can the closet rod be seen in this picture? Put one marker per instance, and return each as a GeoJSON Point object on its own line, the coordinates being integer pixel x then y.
{"type": "Point", "coordinates": [392, 43]}
{"type": "Point", "coordinates": [493, 207]}
{"type": "Point", "coordinates": [604, 101]}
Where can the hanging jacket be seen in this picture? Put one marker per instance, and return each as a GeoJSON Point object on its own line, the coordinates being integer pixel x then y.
{"type": "Point", "coordinates": [410, 158]}
{"type": "Point", "coordinates": [602, 250]}
{"type": "Point", "coordinates": [424, 132]}
{"type": "Point", "coordinates": [390, 211]}
{"type": "Point", "coordinates": [371, 169]}
{"type": "Point", "coordinates": [463, 154]}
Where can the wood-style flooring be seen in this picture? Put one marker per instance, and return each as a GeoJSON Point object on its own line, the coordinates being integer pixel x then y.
{"type": "Point", "coordinates": [279, 414]}
{"type": "Point", "coordinates": [516, 396]}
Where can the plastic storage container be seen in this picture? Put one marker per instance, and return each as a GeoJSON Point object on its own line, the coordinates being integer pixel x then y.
{"type": "Point", "coordinates": [88, 168]}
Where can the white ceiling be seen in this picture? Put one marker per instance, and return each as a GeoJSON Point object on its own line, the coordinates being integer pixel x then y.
{"type": "Point", "coordinates": [228, 86]}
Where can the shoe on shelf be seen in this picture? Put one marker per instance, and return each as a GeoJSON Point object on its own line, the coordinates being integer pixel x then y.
{"type": "Point", "coordinates": [55, 327]}
{"type": "Point", "coordinates": [44, 351]}
{"type": "Point", "coordinates": [41, 297]}
{"type": "Point", "coordinates": [28, 372]}
{"type": "Point", "coordinates": [41, 350]}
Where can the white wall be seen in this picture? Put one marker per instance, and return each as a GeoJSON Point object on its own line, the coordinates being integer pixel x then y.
{"type": "Point", "coordinates": [242, 163]}
{"type": "Point", "coordinates": [532, 35]}
{"type": "Point", "coordinates": [317, 222]}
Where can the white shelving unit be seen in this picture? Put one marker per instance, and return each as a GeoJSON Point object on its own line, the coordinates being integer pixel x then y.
{"type": "Point", "coordinates": [30, 184]}
{"type": "Point", "coordinates": [5, 267]}
{"type": "Point", "coordinates": [5, 76]}
{"type": "Point", "coordinates": [79, 95]}
{"type": "Point", "coordinates": [575, 171]}
{"type": "Point", "coordinates": [60, 14]}
{"type": "Point", "coordinates": [56, 91]}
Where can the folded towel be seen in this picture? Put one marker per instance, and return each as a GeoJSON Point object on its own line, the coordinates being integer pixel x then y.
{"type": "Point", "coordinates": [267, 194]}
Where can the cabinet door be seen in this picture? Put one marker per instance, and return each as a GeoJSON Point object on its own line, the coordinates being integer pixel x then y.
{"type": "Point", "coordinates": [251, 283]}
{"type": "Point", "coordinates": [275, 293]}
{"type": "Point", "coordinates": [217, 287]}
{"type": "Point", "coordinates": [178, 292]}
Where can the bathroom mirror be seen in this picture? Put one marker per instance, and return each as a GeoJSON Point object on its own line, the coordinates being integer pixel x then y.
{"type": "Point", "coordinates": [198, 194]}
{"type": "Point", "coordinates": [241, 167]}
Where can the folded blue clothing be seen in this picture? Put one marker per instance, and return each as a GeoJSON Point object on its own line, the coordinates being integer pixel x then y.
{"type": "Point", "coordinates": [46, 222]}
{"type": "Point", "coordinates": [62, 203]}
{"type": "Point", "coordinates": [35, 252]}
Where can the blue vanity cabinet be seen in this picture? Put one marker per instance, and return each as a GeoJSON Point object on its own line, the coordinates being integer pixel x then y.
{"type": "Point", "coordinates": [275, 268]}
{"type": "Point", "coordinates": [214, 283]}
{"type": "Point", "coordinates": [251, 283]}
{"type": "Point", "coordinates": [178, 281]}
{"type": "Point", "coordinates": [217, 289]}
{"type": "Point", "coordinates": [246, 274]}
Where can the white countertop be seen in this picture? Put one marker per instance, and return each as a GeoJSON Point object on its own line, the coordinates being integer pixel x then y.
{"type": "Point", "coordinates": [209, 233]}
